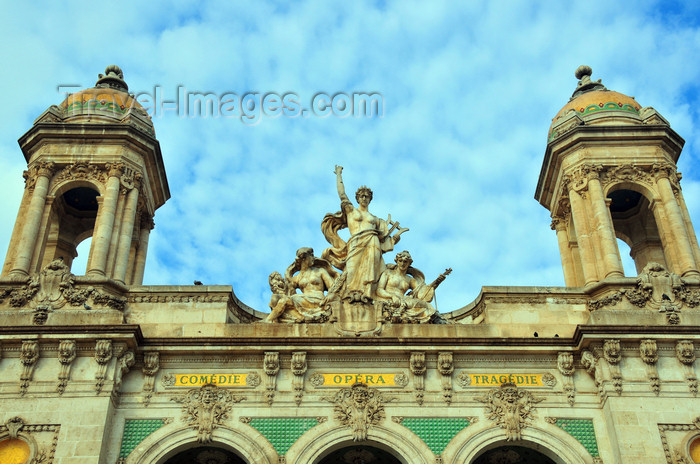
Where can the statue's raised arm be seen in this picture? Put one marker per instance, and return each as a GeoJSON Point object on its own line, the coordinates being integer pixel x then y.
{"type": "Point", "coordinates": [340, 186]}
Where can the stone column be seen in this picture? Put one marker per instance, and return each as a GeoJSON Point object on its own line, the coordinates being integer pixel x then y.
{"type": "Point", "coordinates": [105, 222]}
{"type": "Point", "coordinates": [567, 262]}
{"type": "Point", "coordinates": [689, 228]}
{"type": "Point", "coordinates": [127, 230]}
{"type": "Point", "coordinates": [578, 214]}
{"type": "Point", "coordinates": [140, 265]}
{"type": "Point", "coordinates": [676, 224]}
{"type": "Point", "coordinates": [114, 241]}
{"type": "Point", "coordinates": [16, 230]}
{"type": "Point", "coordinates": [32, 219]}
{"type": "Point", "coordinates": [612, 264]}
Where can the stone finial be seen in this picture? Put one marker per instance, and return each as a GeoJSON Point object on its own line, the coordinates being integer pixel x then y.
{"type": "Point", "coordinates": [112, 78]}
{"type": "Point", "coordinates": [585, 84]}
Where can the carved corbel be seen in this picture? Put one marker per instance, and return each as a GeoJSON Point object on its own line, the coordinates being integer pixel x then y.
{"type": "Point", "coordinates": [565, 364]}
{"type": "Point", "coordinates": [613, 355]}
{"type": "Point", "coordinates": [650, 355]}
{"type": "Point", "coordinates": [103, 354]}
{"type": "Point", "coordinates": [298, 369]}
{"type": "Point", "coordinates": [271, 366]}
{"type": "Point", "coordinates": [151, 365]}
{"type": "Point", "coordinates": [28, 356]}
{"type": "Point", "coordinates": [66, 355]}
{"type": "Point", "coordinates": [418, 368]}
{"type": "Point", "coordinates": [446, 367]}
{"type": "Point", "coordinates": [124, 363]}
{"type": "Point", "coordinates": [590, 363]}
{"type": "Point", "coordinates": [685, 352]}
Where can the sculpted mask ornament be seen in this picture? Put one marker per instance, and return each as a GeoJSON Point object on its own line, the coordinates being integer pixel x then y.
{"type": "Point", "coordinates": [685, 351]}
{"type": "Point", "coordinates": [205, 408]}
{"type": "Point", "coordinates": [511, 408]}
{"type": "Point", "coordinates": [565, 363]}
{"type": "Point", "coordinates": [611, 351]}
{"type": "Point", "coordinates": [358, 407]}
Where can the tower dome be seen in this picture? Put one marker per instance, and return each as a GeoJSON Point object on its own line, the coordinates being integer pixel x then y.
{"type": "Point", "coordinates": [108, 102]}
{"type": "Point", "coordinates": [593, 103]}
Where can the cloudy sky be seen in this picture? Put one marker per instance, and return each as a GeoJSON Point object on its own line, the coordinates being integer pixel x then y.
{"type": "Point", "coordinates": [469, 90]}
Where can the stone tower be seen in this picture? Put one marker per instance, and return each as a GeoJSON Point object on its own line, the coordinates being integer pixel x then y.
{"type": "Point", "coordinates": [94, 170]}
{"type": "Point", "coordinates": [609, 172]}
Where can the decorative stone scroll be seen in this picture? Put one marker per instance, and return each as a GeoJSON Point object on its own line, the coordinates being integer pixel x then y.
{"type": "Point", "coordinates": [206, 408]}
{"type": "Point", "coordinates": [565, 364]}
{"type": "Point", "coordinates": [685, 352]}
{"type": "Point", "coordinates": [418, 368]}
{"type": "Point", "coordinates": [650, 355]}
{"type": "Point", "coordinates": [446, 367]}
{"type": "Point", "coordinates": [28, 356]}
{"type": "Point", "coordinates": [510, 408]}
{"type": "Point", "coordinates": [103, 354]}
{"type": "Point", "coordinates": [613, 355]}
{"type": "Point", "coordinates": [590, 363]}
{"type": "Point", "coordinates": [151, 366]}
{"type": "Point", "coordinates": [359, 407]}
{"type": "Point", "coordinates": [271, 366]}
{"type": "Point", "coordinates": [66, 356]}
{"type": "Point", "coordinates": [124, 363]}
{"type": "Point", "coordinates": [298, 369]}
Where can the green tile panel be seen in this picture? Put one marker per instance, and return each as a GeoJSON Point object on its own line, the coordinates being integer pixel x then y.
{"type": "Point", "coordinates": [583, 431]}
{"type": "Point", "coordinates": [282, 432]}
{"type": "Point", "coordinates": [436, 432]}
{"type": "Point", "coordinates": [135, 431]}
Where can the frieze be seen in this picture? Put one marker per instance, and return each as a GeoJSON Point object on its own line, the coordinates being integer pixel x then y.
{"type": "Point", "coordinates": [469, 379]}
{"type": "Point", "coordinates": [379, 379]}
{"type": "Point", "coordinates": [82, 171]}
{"type": "Point", "coordinates": [177, 299]}
{"type": "Point", "coordinates": [225, 379]}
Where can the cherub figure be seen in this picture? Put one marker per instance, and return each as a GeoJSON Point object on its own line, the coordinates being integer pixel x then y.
{"type": "Point", "coordinates": [400, 278]}
{"type": "Point", "coordinates": [313, 276]}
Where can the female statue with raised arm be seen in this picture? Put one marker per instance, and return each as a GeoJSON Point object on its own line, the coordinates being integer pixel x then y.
{"type": "Point", "coordinates": [360, 258]}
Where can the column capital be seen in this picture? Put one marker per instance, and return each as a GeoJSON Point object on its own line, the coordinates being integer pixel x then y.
{"type": "Point", "coordinates": [115, 169]}
{"type": "Point", "coordinates": [662, 170]}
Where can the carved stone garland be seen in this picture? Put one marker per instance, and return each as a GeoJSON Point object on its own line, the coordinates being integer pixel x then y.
{"type": "Point", "coordinates": [418, 368]}
{"type": "Point", "coordinates": [271, 366]}
{"type": "Point", "coordinates": [446, 367]}
{"type": "Point", "coordinates": [66, 356]}
{"type": "Point", "coordinates": [685, 352]}
{"type": "Point", "coordinates": [151, 365]}
{"type": "Point", "coordinates": [103, 354]}
{"type": "Point", "coordinates": [359, 407]}
{"type": "Point", "coordinates": [565, 364]}
{"type": "Point", "coordinates": [28, 356]}
{"type": "Point", "coordinates": [298, 369]}
{"type": "Point", "coordinates": [613, 355]}
{"type": "Point", "coordinates": [205, 408]}
{"type": "Point", "coordinates": [650, 355]}
{"type": "Point", "coordinates": [53, 288]}
{"type": "Point", "coordinates": [510, 408]}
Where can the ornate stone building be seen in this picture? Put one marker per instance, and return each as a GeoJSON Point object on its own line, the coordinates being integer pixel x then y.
{"type": "Point", "coordinates": [355, 366]}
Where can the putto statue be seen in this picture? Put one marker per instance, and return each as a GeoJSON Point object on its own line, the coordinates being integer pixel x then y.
{"type": "Point", "coordinates": [360, 258]}
{"type": "Point", "coordinates": [366, 293]}
{"type": "Point", "coordinates": [312, 276]}
{"type": "Point", "coordinates": [399, 278]}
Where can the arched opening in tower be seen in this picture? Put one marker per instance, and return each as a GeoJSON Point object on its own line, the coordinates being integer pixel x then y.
{"type": "Point", "coordinates": [71, 221]}
{"type": "Point", "coordinates": [635, 224]}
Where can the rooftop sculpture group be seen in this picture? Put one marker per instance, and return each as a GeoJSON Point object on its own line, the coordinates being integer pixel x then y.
{"type": "Point", "coordinates": [398, 291]}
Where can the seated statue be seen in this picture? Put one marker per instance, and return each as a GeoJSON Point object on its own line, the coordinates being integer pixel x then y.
{"type": "Point", "coordinates": [400, 278]}
{"type": "Point", "coordinates": [311, 275]}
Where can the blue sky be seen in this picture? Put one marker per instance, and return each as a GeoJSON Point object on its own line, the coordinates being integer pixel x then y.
{"type": "Point", "coordinates": [469, 92]}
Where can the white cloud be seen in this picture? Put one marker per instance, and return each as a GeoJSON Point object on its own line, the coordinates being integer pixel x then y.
{"type": "Point", "coordinates": [469, 94]}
